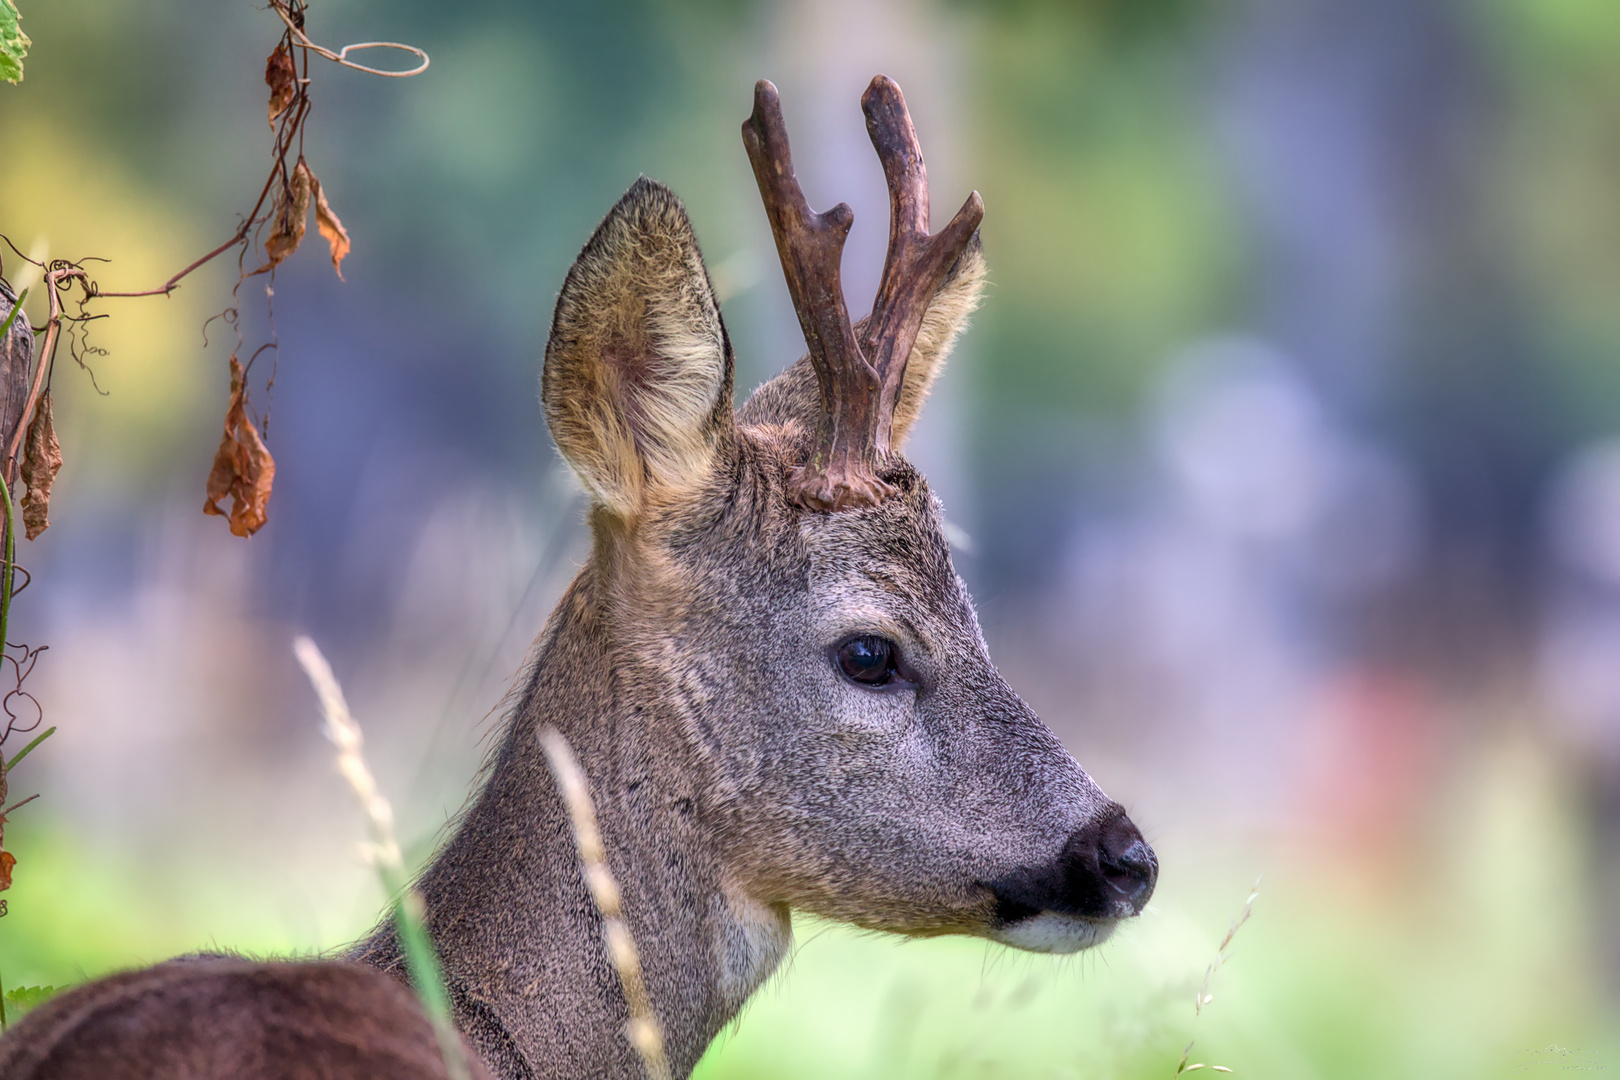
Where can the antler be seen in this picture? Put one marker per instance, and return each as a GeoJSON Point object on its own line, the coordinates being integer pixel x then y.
{"type": "Point", "coordinates": [917, 263]}
{"type": "Point", "coordinates": [860, 380]}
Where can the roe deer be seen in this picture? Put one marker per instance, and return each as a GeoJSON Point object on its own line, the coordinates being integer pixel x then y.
{"type": "Point", "coordinates": [768, 668]}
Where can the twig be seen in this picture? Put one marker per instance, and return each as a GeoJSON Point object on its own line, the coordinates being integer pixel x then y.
{"type": "Point", "coordinates": [643, 1029]}
{"type": "Point", "coordinates": [14, 805]}
{"type": "Point", "coordinates": [8, 553]}
{"type": "Point", "coordinates": [384, 853]}
{"type": "Point", "coordinates": [298, 38]}
{"type": "Point", "coordinates": [169, 286]}
{"type": "Point", "coordinates": [237, 238]}
{"type": "Point", "coordinates": [341, 56]}
{"type": "Point", "coordinates": [42, 363]}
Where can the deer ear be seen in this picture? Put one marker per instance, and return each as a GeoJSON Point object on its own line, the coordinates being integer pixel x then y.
{"type": "Point", "coordinates": [947, 317]}
{"type": "Point", "coordinates": [637, 379]}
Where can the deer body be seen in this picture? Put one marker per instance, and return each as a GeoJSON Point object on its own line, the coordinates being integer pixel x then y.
{"type": "Point", "coordinates": [768, 668]}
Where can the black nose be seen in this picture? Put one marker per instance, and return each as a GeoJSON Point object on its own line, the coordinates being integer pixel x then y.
{"type": "Point", "coordinates": [1104, 871]}
{"type": "Point", "coordinates": [1126, 862]}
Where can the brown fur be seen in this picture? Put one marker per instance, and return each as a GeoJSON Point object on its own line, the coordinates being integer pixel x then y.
{"type": "Point", "coordinates": [227, 1017]}
{"type": "Point", "coordinates": [648, 355]}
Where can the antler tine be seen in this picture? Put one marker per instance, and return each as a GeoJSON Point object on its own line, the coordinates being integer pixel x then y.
{"type": "Point", "coordinates": [917, 262]}
{"type": "Point", "coordinates": [811, 247]}
{"type": "Point", "coordinates": [858, 397]}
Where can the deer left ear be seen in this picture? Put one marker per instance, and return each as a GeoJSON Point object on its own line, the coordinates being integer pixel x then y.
{"type": "Point", "coordinates": [638, 372]}
{"type": "Point", "coordinates": [954, 301]}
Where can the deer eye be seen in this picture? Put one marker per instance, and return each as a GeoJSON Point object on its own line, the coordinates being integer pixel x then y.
{"type": "Point", "coordinates": [868, 659]}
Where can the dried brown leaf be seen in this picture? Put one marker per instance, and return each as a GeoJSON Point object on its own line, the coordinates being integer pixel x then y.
{"type": "Point", "coordinates": [42, 457]}
{"type": "Point", "coordinates": [337, 237]}
{"type": "Point", "coordinates": [243, 468]}
{"type": "Point", "coordinates": [7, 859]}
{"type": "Point", "coordinates": [291, 217]}
{"type": "Point", "coordinates": [281, 76]}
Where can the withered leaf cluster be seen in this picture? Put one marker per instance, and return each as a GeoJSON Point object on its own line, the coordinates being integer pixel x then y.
{"type": "Point", "coordinates": [42, 457]}
{"type": "Point", "coordinates": [7, 859]}
{"type": "Point", "coordinates": [243, 467]}
{"type": "Point", "coordinates": [281, 76]}
{"type": "Point", "coordinates": [292, 218]}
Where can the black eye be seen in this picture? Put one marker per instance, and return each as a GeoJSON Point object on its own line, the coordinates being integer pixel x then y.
{"type": "Point", "coordinates": [867, 659]}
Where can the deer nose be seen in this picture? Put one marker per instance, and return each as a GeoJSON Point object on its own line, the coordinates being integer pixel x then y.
{"type": "Point", "coordinates": [1105, 870]}
{"type": "Point", "coordinates": [1126, 862]}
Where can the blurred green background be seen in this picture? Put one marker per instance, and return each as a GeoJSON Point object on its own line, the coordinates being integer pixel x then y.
{"type": "Point", "coordinates": [1285, 454]}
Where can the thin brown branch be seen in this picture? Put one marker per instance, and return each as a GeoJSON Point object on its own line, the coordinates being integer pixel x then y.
{"type": "Point", "coordinates": [20, 255]}
{"type": "Point", "coordinates": [15, 805]}
{"type": "Point", "coordinates": [169, 286]}
{"type": "Point", "coordinates": [238, 237]}
{"type": "Point", "coordinates": [296, 32]}
{"type": "Point", "coordinates": [42, 362]}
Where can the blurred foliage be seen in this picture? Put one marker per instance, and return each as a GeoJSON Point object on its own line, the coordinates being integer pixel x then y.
{"type": "Point", "coordinates": [1552, 180]}
{"type": "Point", "coordinates": [1122, 21]}
{"type": "Point", "coordinates": [1110, 239]}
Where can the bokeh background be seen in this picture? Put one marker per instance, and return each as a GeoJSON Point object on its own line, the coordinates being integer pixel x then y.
{"type": "Point", "coordinates": [1284, 461]}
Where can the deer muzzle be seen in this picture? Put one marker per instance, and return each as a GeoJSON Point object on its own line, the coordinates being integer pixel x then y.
{"type": "Point", "coordinates": [1104, 872]}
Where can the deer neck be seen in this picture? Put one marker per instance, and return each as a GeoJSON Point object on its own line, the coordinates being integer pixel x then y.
{"type": "Point", "coordinates": [519, 939]}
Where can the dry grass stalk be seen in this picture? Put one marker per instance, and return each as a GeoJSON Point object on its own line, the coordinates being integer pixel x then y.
{"type": "Point", "coordinates": [643, 1029]}
{"type": "Point", "coordinates": [1204, 997]}
{"type": "Point", "coordinates": [383, 852]}
{"type": "Point", "coordinates": [344, 732]}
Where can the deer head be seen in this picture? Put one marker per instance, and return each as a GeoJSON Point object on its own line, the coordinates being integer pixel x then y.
{"type": "Point", "coordinates": [779, 587]}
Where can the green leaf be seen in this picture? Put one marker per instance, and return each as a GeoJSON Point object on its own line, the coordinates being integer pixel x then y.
{"type": "Point", "coordinates": [13, 43]}
{"type": "Point", "coordinates": [23, 998]}
{"type": "Point", "coordinates": [42, 736]}
{"type": "Point", "coordinates": [20, 296]}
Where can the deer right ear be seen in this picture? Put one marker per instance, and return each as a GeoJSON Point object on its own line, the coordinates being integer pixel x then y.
{"type": "Point", "coordinates": [638, 371]}
{"type": "Point", "coordinates": [947, 317]}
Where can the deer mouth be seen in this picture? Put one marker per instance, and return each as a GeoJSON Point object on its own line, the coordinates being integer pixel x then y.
{"type": "Point", "coordinates": [1054, 932]}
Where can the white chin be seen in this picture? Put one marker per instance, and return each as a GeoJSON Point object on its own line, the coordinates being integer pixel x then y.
{"type": "Point", "coordinates": [1051, 932]}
